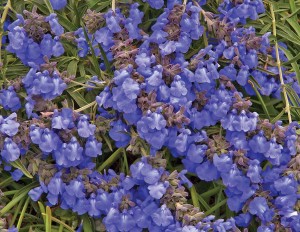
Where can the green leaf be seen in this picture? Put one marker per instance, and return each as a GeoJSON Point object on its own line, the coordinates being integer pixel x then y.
{"type": "Point", "coordinates": [107, 163]}
{"type": "Point", "coordinates": [72, 67]}
{"type": "Point", "coordinates": [17, 211]}
{"type": "Point", "coordinates": [23, 213]}
{"type": "Point", "coordinates": [79, 99]}
{"type": "Point", "coordinates": [294, 64]}
{"type": "Point", "coordinates": [278, 117]}
{"type": "Point", "coordinates": [211, 192]}
{"type": "Point", "coordinates": [203, 202]}
{"type": "Point", "coordinates": [215, 207]}
{"type": "Point", "coordinates": [63, 224]}
{"type": "Point", "coordinates": [265, 109]}
{"type": "Point", "coordinates": [18, 164]}
{"type": "Point", "coordinates": [194, 197]}
{"type": "Point", "coordinates": [19, 196]}
{"type": "Point", "coordinates": [87, 223]}
{"type": "Point", "coordinates": [49, 6]}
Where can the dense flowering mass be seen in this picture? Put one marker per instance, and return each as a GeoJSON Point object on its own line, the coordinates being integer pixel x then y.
{"type": "Point", "coordinates": [177, 111]}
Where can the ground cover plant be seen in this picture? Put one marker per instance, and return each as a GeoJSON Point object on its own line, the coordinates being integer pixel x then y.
{"type": "Point", "coordinates": [149, 115]}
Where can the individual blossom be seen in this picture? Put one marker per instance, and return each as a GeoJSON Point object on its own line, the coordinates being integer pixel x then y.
{"type": "Point", "coordinates": [58, 4]}
{"type": "Point", "coordinates": [9, 125]}
{"type": "Point", "coordinates": [11, 151]}
{"type": "Point", "coordinates": [9, 99]}
{"type": "Point", "coordinates": [85, 129]}
{"type": "Point", "coordinates": [93, 148]}
{"type": "Point", "coordinates": [258, 206]}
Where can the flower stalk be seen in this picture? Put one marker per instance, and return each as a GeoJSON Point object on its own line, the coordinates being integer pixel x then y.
{"type": "Point", "coordinates": [286, 99]}
{"type": "Point", "coordinates": [3, 18]}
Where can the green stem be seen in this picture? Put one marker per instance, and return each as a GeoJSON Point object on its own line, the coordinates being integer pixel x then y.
{"type": "Point", "coordinates": [107, 163]}
{"type": "Point", "coordinates": [214, 208]}
{"type": "Point", "coordinates": [287, 104]}
{"type": "Point", "coordinates": [3, 18]}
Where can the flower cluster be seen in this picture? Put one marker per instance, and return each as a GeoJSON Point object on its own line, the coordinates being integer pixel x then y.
{"type": "Point", "coordinates": [143, 200]}
{"type": "Point", "coordinates": [163, 98]}
{"type": "Point", "coordinates": [35, 36]}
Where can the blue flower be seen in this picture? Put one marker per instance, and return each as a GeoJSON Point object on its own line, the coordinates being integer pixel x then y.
{"type": "Point", "coordinates": [243, 75]}
{"type": "Point", "coordinates": [112, 22]}
{"type": "Point", "coordinates": [152, 128]}
{"type": "Point", "coordinates": [132, 28]}
{"type": "Point", "coordinates": [58, 4]}
{"type": "Point", "coordinates": [104, 201]}
{"type": "Point", "coordinates": [251, 59]}
{"type": "Point", "coordinates": [17, 174]}
{"type": "Point", "coordinates": [229, 71]}
{"type": "Point", "coordinates": [92, 147]}
{"type": "Point", "coordinates": [135, 14]}
{"type": "Point", "coordinates": [11, 151]}
{"type": "Point", "coordinates": [12, 229]}
{"type": "Point", "coordinates": [33, 52]}
{"type": "Point", "coordinates": [156, 4]}
{"type": "Point", "coordinates": [49, 141]}
{"type": "Point", "coordinates": [36, 193]}
{"type": "Point", "coordinates": [167, 48]}
{"type": "Point", "coordinates": [56, 185]}
{"type": "Point", "coordinates": [9, 126]}
{"type": "Point", "coordinates": [59, 86]}
{"type": "Point", "coordinates": [254, 171]}
{"type": "Point", "coordinates": [57, 48]}
{"type": "Point", "coordinates": [84, 128]}
{"type": "Point", "coordinates": [181, 141]}
{"type": "Point", "coordinates": [82, 206]}
{"type": "Point", "coordinates": [92, 210]}
{"type": "Point", "coordinates": [286, 202]}
{"type": "Point", "coordinates": [207, 171]}
{"type": "Point", "coordinates": [223, 162]}
{"type": "Point", "coordinates": [119, 133]}
{"type": "Point", "coordinates": [286, 185]}
{"type": "Point", "coordinates": [150, 175]}
{"type": "Point", "coordinates": [243, 220]}
{"type": "Point", "coordinates": [63, 120]}
{"type": "Point", "coordinates": [126, 221]}
{"type": "Point", "coordinates": [269, 228]}
{"type": "Point", "coordinates": [9, 99]}
{"type": "Point", "coordinates": [258, 206]}
{"type": "Point", "coordinates": [29, 107]}
{"type": "Point", "coordinates": [274, 152]}
{"type": "Point", "coordinates": [237, 139]}
{"type": "Point", "coordinates": [158, 189]}
{"type": "Point", "coordinates": [131, 88]}
{"type": "Point", "coordinates": [196, 153]}
{"type": "Point", "coordinates": [159, 37]}
{"type": "Point", "coordinates": [35, 134]}
{"type": "Point", "coordinates": [73, 150]}
{"type": "Point", "coordinates": [46, 45]}
{"type": "Point", "coordinates": [104, 36]}
{"type": "Point", "coordinates": [162, 216]}
{"type": "Point", "coordinates": [259, 143]}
